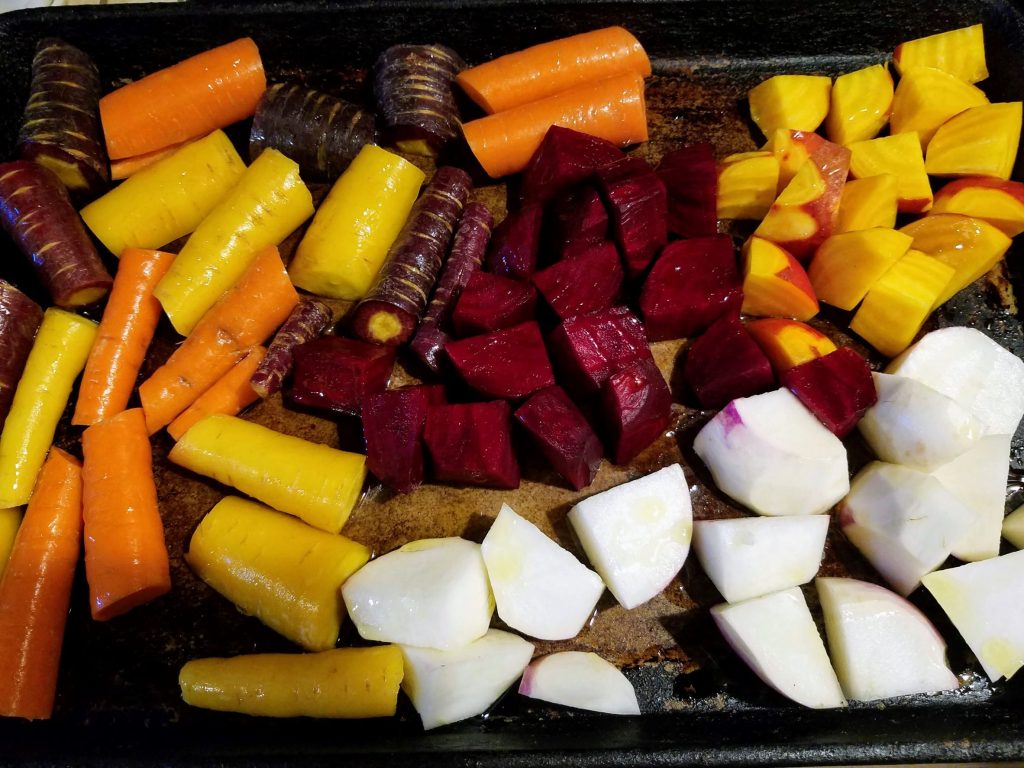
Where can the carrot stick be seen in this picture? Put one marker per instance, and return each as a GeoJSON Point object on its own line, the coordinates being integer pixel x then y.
{"type": "Point", "coordinates": [127, 327]}
{"type": "Point", "coordinates": [126, 166]}
{"type": "Point", "coordinates": [245, 316]}
{"type": "Point", "coordinates": [10, 520]}
{"type": "Point", "coordinates": [36, 590]}
{"type": "Point", "coordinates": [230, 394]}
{"type": "Point", "coordinates": [612, 109]}
{"type": "Point", "coordinates": [550, 68]}
{"type": "Point", "coordinates": [126, 562]}
{"type": "Point", "coordinates": [208, 91]}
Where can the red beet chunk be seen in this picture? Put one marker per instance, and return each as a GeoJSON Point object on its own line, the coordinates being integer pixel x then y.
{"type": "Point", "coordinates": [692, 284]}
{"type": "Point", "coordinates": [563, 435]}
{"type": "Point", "coordinates": [587, 283]}
{"type": "Point", "coordinates": [590, 348]}
{"type": "Point", "coordinates": [509, 364]}
{"type": "Point", "coordinates": [837, 388]}
{"type": "Point", "coordinates": [691, 181]}
{"type": "Point", "coordinates": [491, 302]}
{"type": "Point", "coordinates": [565, 158]}
{"type": "Point", "coordinates": [579, 248]}
{"type": "Point", "coordinates": [637, 208]}
{"type": "Point", "coordinates": [339, 374]}
{"type": "Point", "coordinates": [471, 444]}
{"type": "Point", "coordinates": [725, 363]}
{"type": "Point", "coordinates": [393, 428]}
{"type": "Point", "coordinates": [578, 218]}
{"type": "Point", "coordinates": [516, 242]}
{"type": "Point", "coordinates": [636, 407]}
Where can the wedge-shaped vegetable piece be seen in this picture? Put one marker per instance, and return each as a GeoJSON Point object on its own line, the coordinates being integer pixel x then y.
{"type": "Point", "coordinates": [775, 635]}
{"type": "Point", "coordinates": [564, 158]}
{"type": "Point", "coordinates": [471, 444]}
{"type": "Point", "coordinates": [167, 199]}
{"type": "Point", "coordinates": [563, 435]}
{"type": "Point", "coordinates": [431, 593]}
{"type": "Point", "coordinates": [837, 388]}
{"type": "Point", "coordinates": [960, 52]}
{"type": "Point", "coordinates": [637, 535]}
{"type": "Point", "coordinates": [357, 223]}
{"type": "Point", "coordinates": [752, 556]}
{"type": "Point", "coordinates": [276, 568]}
{"type": "Point", "coordinates": [57, 357]}
{"type": "Point", "coordinates": [903, 521]}
{"type": "Point", "coordinates": [774, 283]}
{"type": "Point", "coordinates": [788, 343]}
{"type": "Point", "coordinates": [338, 683]}
{"type": "Point", "coordinates": [926, 98]}
{"type": "Point", "coordinates": [20, 318]}
{"type": "Point", "coordinates": [900, 301]}
{"type": "Point", "coordinates": [307, 321]}
{"type": "Point", "coordinates": [726, 362]}
{"type": "Point", "coordinates": [1000, 203]}
{"type": "Point", "coordinates": [582, 284]}
{"type": "Point", "coordinates": [232, 393]}
{"type": "Point", "coordinates": [901, 156]}
{"type": "Point", "coordinates": [580, 680]}
{"type": "Point", "coordinates": [269, 202]}
{"type": "Point", "coordinates": [867, 203]}
{"type": "Point", "coordinates": [339, 374]}
{"type": "Point", "coordinates": [516, 242]}
{"type": "Point", "coordinates": [792, 149]}
{"type": "Point", "coordinates": [314, 482]}
{"type": "Point", "coordinates": [10, 521]}
{"type": "Point", "coordinates": [691, 180]}
{"type": "Point", "coordinates": [510, 363]}
{"type": "Point", "coordinates": [770, 454]}
{"type": "Point", "coordinates": [539, 588]}
{"type": "Point", "coordinates": [860, 105]}
{"type": "Point", "coordinates": [449, 686]}
{"type": "Point", "coordinates": [797, 102]}
{"type": "Point", "coordinates": [490, 302]}
{"type": "Point", "coordinates": [881, 645]}
{"type": "Point", "coordinates": [847, 265]}
{"type": "Point", "coordinates": [575, 218]}
{"type": "Point", "coordinates": [983, 602]}
{"type": "Point", "coordinates": [393, 423]}
{"type": "Point", "coordinates": [804, 215]}
{"type": "Point", "coordinates": [589, 349]}
{"type": "Point", "coordinates": [980, 141]}
{"type": "Point", "coordinates": [636, 408]}
{"type": "Point", "coordinates": [747, 185]}
{"type": "Point", "coordinates": [637, 203]}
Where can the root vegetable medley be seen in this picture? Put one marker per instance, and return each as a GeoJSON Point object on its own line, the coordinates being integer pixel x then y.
{"type": "Point", "coordinates": [524, 357]}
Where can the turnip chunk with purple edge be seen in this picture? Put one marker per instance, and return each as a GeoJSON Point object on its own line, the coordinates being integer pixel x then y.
{"type": "Point", "coordinates": [580, 680]}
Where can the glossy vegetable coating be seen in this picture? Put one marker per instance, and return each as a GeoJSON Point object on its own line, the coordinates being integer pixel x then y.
{"type": "Point", "coordinates": [306, 322]}
{"type": "Point", "coordinates": [231, 394]}
{"type": "Point", "coordinates": [19, 320]}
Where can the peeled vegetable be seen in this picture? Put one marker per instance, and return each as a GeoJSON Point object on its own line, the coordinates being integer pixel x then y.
{"type": "Point", "coordinates": [581, 680]}
{"type": "Point", "coordinates": [19, 320]}
{"type": "Point", "coordinates": [471, 444]}
{"type": "Point", "coordinates": [307, 321]}
{"type": "Point", "coordinates": [338, 374]}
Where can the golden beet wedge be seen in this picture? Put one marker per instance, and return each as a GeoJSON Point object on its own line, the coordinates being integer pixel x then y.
{"type": "Point", "coordinates": [789, 343]}
{"type": "Point", "coordinates": [798, 102]}
{"type": "Point", "coordinates": [774, 283]}
{"type": "Point", "coordinates": [899, 303]}
{"type": "Point", "coordinates": [926, 98]}
{"type": "Point", "coordinates": [980, 141]}
{"type": "Point", "coordinates": [746, 185]}
{"type": "Point", "coordinates": [867, 203]}
{"type": "Point", "coordinates": [860, 105]}
{"type": "Point", "coordinates": [970, 246]}
{"type": "Point", "coordinates": [792, 149]}
{"type": "Point", "coordinates": [901, 156]}
{"type": "Point", "coordinates": [847, 265]}
{"type": "Point", "coordinates": [960, 52]}
{"type": "Point", "coordinates": [999, 202]}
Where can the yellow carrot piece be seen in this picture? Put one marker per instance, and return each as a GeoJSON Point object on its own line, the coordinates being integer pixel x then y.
{"type": "Point", "coordinates": [56, 359]}
{"type": "Point", "coordinates": [276, 568]}
{"type": "Point", "coordinates": [345, 246]}
{"type": "Point", "coordinates": [268, 204]}
{"type": "Point", "coordinates": [168, 199]}
{"type": "Point", "coordinates": [10, 520]}
{"type": "Point", "coordinates": [342, 683]}
{"type": "Point", "coordinates": [314, 482]}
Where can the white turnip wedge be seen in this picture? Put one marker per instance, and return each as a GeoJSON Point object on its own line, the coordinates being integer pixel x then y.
{"type": "Point", "coordinates": [448, 686]}
{"type": "Point", "coordinates": [581, 680]}
{"type": "Point", "coordinates": [777, 638]}
{"type": "Point", "coordinates": [881, 645]}
{"type": "Point", "coordinates": [1013, 527]}
{"type": "Point", "coordinates": [751, 556]}
{"type": "Point", "coordinates": [769, 453]}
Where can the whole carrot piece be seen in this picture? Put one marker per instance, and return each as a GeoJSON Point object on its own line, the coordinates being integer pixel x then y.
{"type": "Point", "coordinates": [126, 561]}
{"type": "Point", "coordinates": [36, 590]}
{"type": "Point", "coordinates": [230, 394]}
{"type": "Point", "coordinates": [208, 91]}
{"type": "Point", "coordinates": [128, 324]}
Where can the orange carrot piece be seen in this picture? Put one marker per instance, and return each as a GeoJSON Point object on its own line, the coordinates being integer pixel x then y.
{"type": "Point", "coordinates": [550, 68]}
{"type": "Point", "coordinates": [245, 316]}
{"type": "Point", "coordinates": [127, 166]}
{"type": "Point", "coordinates": [612, 109]}
{"type": "Point", "coordinates": [208, 91]}
{"type": "Point", "coordinates": [126, 562]}
{"type": "Point", "coordinates": [36, 590]}
{"type": "Point", "coordinates": [128, 324]}
{"type": "Point", "coordinates": [230, 394]}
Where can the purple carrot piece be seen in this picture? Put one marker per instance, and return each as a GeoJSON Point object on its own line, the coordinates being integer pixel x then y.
{"type": "Point", "coordinates": [393, 423]}
{"type": "Point", "coordinates": [516, 243]}
{"type": "Point", "coordinates": [636, 202]}
{"type": "Point", "coordinates": [508, 364]}
{"type": "Point", "coordinates": [837, 388]}
{"type": "Point", "coordinates": [306, 322]}
{"type": "Point", "coordinates": [563, 435]}
{"type": "Point", "coordinates": [725, 363]}
{"type": "Point", "coordinates": [636, 406]}
{"type": "Point", "coordinates": [338, 374]}
{"type": "Point", "coordinates": [565, 158]}
{"type": "Point", "coordinates": [19, 320]}
{"type": "Point", "coordinates": [590, 348]}
{"type": "Point", "coordinates": [583, 284]}
{"type": "Point", "coordinates": [691, 180]}
{"type": "Point", "coordinates": [491, 302]}
{"type": "Point", "coordinates": [471, 444]}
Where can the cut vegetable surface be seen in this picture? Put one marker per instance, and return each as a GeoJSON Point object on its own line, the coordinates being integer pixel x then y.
{"type": "Point", "coordinates": [796, 102]}
{"type": "Point", "coordinates": [393, 423]}
{"type": "Point", "coordinates": [471, 444]}
{"type": "Point", "coordinates": [980, 141]}
{"type": "Point", "coordinates": [961, 52]}
{"type": "Point", "coordinates": [562, 433]}
{"type": "Point", "coordinates": [307, 321]}
{"type": "Point", "coordinates": [860, 104]}
{"type": "Point", "coordinates": [230, 394]}
{"type": "Point", "coordinates": [510, 363]}
{"type": "Point", "coordinates": [490, 302]}
{"type": "Point", "coordinates": [580, 680]}
{"type": "Point", "coordinates": [338, 374]}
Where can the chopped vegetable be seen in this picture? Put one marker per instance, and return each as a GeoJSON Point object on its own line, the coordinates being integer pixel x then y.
{"type": "Point", "coordinates": [747, 184]}
{"type": "Point", "coordinates": [691, 180]}
{"type": "Point", "coordinates": [789, 343]}
{"type": "Point", "coordinates": [960, 52]}
{"type": "Point", "coordinates": [393, 424]}
{"type": "Point", "coordinates": [230, 394]}
{"type": "Point", "coordinates": [306, 322]}
{"type": "Point", "coordinates": [19, 321]}
{"type": "Point", "coordinates": [129, 166]}
{"type": "Point", "coordinates": [867, 203]}
{"type": "Point", "coordinates": [516, 243]}
{"type": "Point", "coordinates": [576, 219]}
{"type": "Point", "coordinates": [1000, 203]}
{"type": "Point", "coordinates": [796, 102]}
{"type": "Point", "coordinates": [338, 374]}
{"type": "Point", "coordinates": [848, 264]}
{"type": "Point", "coordinates": [899, 155]}
{"type": "Point", "coordinates": [588, 349]}
{"type": "Point", "coordinates": [638, 210]}
{"type": "Point", "coordinates": [511, 363]}
{"type": "Point", "coordinates": [583, 284]}
{"type": "Point", "coordinates": [725, 362]}
{"type": "Point", "coordinates": [491, 302]}
{"type": "Point", "coordinates": [636, 408]}
{"type": "Point", "coordinates": [10, 520]}
{"type": "Point", "coordinates": [564, 158]}
{"type": "Point", "coordinates": [861, 102]}
{"type": "Point", "coordinates": [926, 98]}
{"type": "Point", "coordinates": [563, 435]}
{"type": "Point", "coordinates": [774, 283]}
{"type": "Point", "coordinates": [980, 141]}
{"type": "Point", "coordinates": [836, 387]}
{"type": "Point", "coordinates": [471, 444]}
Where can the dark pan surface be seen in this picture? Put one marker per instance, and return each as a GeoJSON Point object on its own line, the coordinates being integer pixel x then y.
{"type": "Point", "coordinates": [118, 698]}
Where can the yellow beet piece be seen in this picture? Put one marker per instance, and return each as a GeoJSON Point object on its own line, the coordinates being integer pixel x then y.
{"type": "Point", "coordinates": [960, 52]}
{"type": "Point", "coordinates": [57, 357]}
{"type": "Point", "coordinates": [10, 520]}
{"type": "Point", "coordinates": [167, 199]}
{"type": "Point", "coordinates": [746, 185]}
{"type": "Point", "coordinates": [980, 141]}
{"type": "Point", "coordinates": [860, 105]}
{"type": "Point", "coordinates": [792, 149]}
{"type": "Point", "coordinates": [867, 203]}
{"type": "Point", "coordinates": [314, 482]}
{"type": "Point", "coordinates": [847, 265]}
{"type": "Point", "coordinates": [341, 683]}
{"type": "Point", "coordinates": [1000, 203]}
{"type": "Point", "coordinates": [901, 156]}
{"type": "Point", "coordinates": [268, 204]}
{"type": "Point", "coordinates": [348, 241]}
{"type": "Point", "coordinates": [900, 301]}
{"type": "Point", "coordinates": [276, 568]}
{"type": "Point", "coordinates": [797, 102]}
{"type": "Point", "coordinates": [926, 98]}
